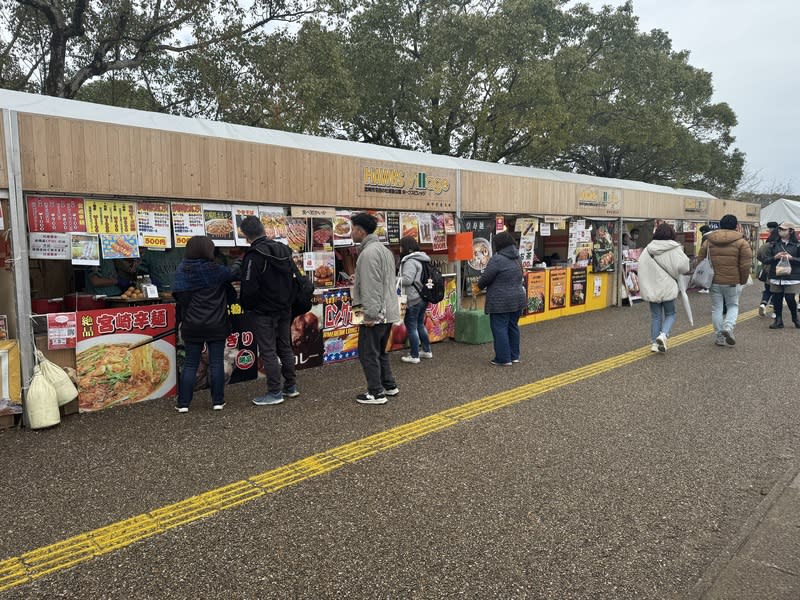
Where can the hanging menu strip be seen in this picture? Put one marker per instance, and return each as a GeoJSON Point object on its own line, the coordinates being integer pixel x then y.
{"type": "Point", "coordinates": [55, 215]}
{"type": "Point", "coordinates": [110, 216]}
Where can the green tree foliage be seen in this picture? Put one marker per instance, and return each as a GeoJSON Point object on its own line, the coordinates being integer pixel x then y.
{"type": "Point", "coordinates": [54, 47]}
{"type": "Point", "coordinates": [529, 82]}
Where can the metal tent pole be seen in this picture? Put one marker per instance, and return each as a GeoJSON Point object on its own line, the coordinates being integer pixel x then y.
{"type": "Point", "coordinates": [458, 229]}
{"type": "Point", "coordinates": [19, 240]}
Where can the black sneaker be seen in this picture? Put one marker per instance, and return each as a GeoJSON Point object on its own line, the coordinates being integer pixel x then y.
{"type": "Point", "coordinates": [370, 399]}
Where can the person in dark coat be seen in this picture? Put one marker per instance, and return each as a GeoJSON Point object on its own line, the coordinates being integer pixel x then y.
{"type": "Point", "coordinates": [784, 285]}
{"type": "Point", "coordinates": [505, 298]}
{"type": "Point", "coordinates": [267, 294]}
{"type": "Point", "coordinates": [203, 291]}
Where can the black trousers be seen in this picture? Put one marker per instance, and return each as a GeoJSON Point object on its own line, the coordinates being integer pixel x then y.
{"type": "Point", "coordinates": [275, 348]}
{"type": "Point", "coordinates": [374, 359]}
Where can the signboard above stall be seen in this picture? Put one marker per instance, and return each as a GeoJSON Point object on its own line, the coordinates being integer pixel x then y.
{"type": "Point", "coordinates": [597, 201]}
{"type": "Point", "coordinates": [407, 186]}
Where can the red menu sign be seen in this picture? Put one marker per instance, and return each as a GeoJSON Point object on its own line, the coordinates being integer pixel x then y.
{"type": "Point", "coordinates": [55, 215]}
{"type": "Point", "coordinates": [110, 371]}
{"type": "Point", "coordinates": [61, 331]}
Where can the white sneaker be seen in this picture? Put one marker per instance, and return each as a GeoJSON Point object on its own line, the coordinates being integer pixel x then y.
{"type": "Point", "coordinates": [653, 347]}
{"type": "Point", "coordinates": [762, 309]}
{"type": "Point", "coordinates": [423, 354]}
{"type": "Point", "coordinates": [182, 409]}
{"type": "Point", "coordinates": [218, 406]}
{"type": "Point", "coordinates": [370, 399]}
{"type": "Point", "coordinates": [391, 391]}
{"type": "Point", "coordinates": [661, 342]}
{"type": "Point", "coordinates": [409, 359]}
{"type": "Point", "coordinates": [702, 291]}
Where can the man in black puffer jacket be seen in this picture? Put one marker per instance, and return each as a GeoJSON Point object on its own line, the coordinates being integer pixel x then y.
{"type": "Point", "coordinates": [266, 296]}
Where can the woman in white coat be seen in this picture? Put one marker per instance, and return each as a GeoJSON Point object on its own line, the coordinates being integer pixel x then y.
{"type": "Point", "coordinates": [660, 266]}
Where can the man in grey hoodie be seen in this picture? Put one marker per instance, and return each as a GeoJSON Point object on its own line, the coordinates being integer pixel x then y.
{"type": "Point", "coordinates": [374, 295]}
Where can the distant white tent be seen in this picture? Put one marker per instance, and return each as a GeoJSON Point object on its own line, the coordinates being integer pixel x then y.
{"type": "Point", "coordinates": [781, 210]}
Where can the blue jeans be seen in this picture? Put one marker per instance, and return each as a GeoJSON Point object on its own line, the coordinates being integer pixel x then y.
{"type": "Point", "coordinates": [415, 326]}
{"type": "Point", "coordinates": [659, 324]}
{"type": "Point", "coordinates": [505, 331]}
{"type": "Point", "coordinates": [216, 370]}
{"type": "Point", "coordinates": [729, 296]}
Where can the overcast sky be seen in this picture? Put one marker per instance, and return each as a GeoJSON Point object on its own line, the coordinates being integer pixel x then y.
{"type": "Point", "coordinates": [752, 50]}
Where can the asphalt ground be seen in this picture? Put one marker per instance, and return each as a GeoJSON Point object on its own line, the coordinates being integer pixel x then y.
{"type": "Point", "coordinates": [628, 483]}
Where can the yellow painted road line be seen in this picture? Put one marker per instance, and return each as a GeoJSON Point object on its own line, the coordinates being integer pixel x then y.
{"type": "Point", "coordinates": [22, 569]}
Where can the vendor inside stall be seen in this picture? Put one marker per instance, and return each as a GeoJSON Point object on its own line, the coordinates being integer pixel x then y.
{"type": "Point", "coordinates": [112, 277]}
{"type": "Point", "coordinates": [162, 265]}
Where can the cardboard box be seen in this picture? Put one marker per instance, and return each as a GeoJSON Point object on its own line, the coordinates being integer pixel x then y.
{"type": "Point", "coordinates": [9, 421]}
{"type": "Point", "coordinates": [10, 375]}
{"type": "Point", "coordinates": [63, 358]}
{"type": "Point", "coordinates": [70, 408]}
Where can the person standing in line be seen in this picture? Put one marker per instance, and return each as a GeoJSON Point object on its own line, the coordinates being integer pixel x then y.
{"type": "Point", "coordinates": [202, 290]}
{"type": "Point", "coordinates": [505, 298]}
{"type": "Point", "coordinates": [784, 285]}
{"type": "Point", "coordinates": [266, 294]}
{"type": "Point", "coordinates": [761, 255]}
{"type": "Point", "coordinates": [374, 295]}
{"type": "Point", "coordinates": [411, 259]}
{"type": "Point", "coordinates": [731, 258]}
{"type": "Point", "coordinates": [660, 265]}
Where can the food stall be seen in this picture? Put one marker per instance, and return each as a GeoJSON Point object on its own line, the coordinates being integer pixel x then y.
{"type": "Point", "coordinates": [88, 184]}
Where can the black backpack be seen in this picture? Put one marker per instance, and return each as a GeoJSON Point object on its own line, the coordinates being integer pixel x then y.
{"type": "Point", "coordinates": [431, 285]}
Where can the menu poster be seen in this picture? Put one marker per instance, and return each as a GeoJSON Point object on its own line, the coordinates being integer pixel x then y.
{"type": "Point", "coordinates": [52, 246]}
{"type": "Point", "coordinates": [499, 223]}
{"type": "Point", "coordinates": [339, 335]}
{"type": "Point", "coordinates": [482, 232]}
{"type": "Point", "coordinates": [527, 250]}
{"type": "Point", "coordinates": [631, 271]}
{"type": "Point", "coordinates": [110, 216]}
{"type": "Point", "coordinates": [274, 221]}
{"type": "Point", "coordinates": [578, 287]}
{"type": "Point", "coordinates": [323, 267]}
{"type": "Point", "coordinates": [306, 331]}
{"type": "Point", "coordinates": [240, 213]}
{"type": "Point", "coordinates": [583, 253]}
{"type": "Point", "coordinates": [342, 229]}
{"type": "Point", "coordinates": [425, 228]}
{"type": "Point", "coordinates": [439, 231]}
{"type": "Point", "coordinates": [321, 234]}
{"type": "Point", "coordinates": [449, 223]}
{"type": "Point", "coordinates": [545, 229]}
{"type": "Point", "coordinates": [409, 225]}
{"type": "Point", "coordinates": [3, 327]}
{"type": "Point", "coordinates": [84, 249]}
{"type": "Point", "coordinates": [380, 230]}
{"type": "Point", "coordinates": [55, 215]}
{"type": "Point", "coordinates": [558, 288]}
{"type": "Point", "coordinates": [127, 376]}
{"type": "Point", "coordinates": [119, 245]}
{"type": "Point", "coordinates": [298, 233]}
{"type": "Point", "coordinates": [440, 318]}
{"type": "Point", "coordinates": [393, 227]}
{"type": "Point", "coordinates": [218, 220]}
{"type": "Point", "coordinates": [535, 283]}
{"type": "Point", "coordinates": [153, 219]}
{"type": "Point", "coordinates": [525, 225]}
{"type": "Point", "coordinates": [603, 257]}
{"type": "Point", "coordinates": [187, 222]}
{"type": "Point", "coordinates": [240, 358]}
{"type": "Point", "coordinates": [62, 331]}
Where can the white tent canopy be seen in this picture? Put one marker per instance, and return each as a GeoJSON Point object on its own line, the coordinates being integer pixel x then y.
{"type": "Point", "coordinates": [781, 210]}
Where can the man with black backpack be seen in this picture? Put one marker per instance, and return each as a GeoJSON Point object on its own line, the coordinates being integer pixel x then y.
{"type": "Point", "coordinates": [419, 285]}
{"type": "Point", "coordinates": [267, 294]}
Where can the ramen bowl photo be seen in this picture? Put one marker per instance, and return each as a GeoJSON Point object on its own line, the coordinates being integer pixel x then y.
{"type": "Point", "coordinates": [110, 373]}
{"type": "Point", "coordinates": [481, 253]}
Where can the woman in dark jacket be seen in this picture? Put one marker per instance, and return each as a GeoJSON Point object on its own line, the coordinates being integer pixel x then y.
{"type": "Point", "coordinates": [203, 292]}
{"type": "Point", "coordinates": [505, 298]}
{"type": "Point", "coordinates": [784, 285]}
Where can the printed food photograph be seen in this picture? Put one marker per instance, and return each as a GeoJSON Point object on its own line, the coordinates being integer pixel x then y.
{"type": "Point", "coordinates": [323, 233]}
{"type": "Point", "coordinates": [109, 373]}
{"type": "Point", "coordinates": [323, 275]}
{"type": "Point", "coordinates": [220, 228]}
{"type": "Point", "coordinates": [341, 226]}
{"type": "Point", "coordinates": [274, 225]}
{"type": "Point", "coordinates": [481, 253]}
{"type": "Point", "coordinates": [409, 225]}
{"type": "Point", "coordinates": [536, 303]}
{"type": "Point", "coordinates": [297, 234]}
